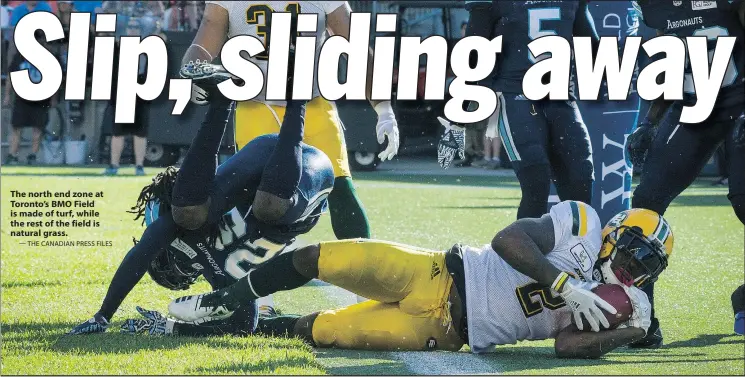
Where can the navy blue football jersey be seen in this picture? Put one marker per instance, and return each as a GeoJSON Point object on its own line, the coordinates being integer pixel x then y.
{"type": "Point", "coordinates": [244, 242]}
{"type": "Point", "coordinates": [711, 19]}
{"type": "Point", "coordinates": [521, 22]}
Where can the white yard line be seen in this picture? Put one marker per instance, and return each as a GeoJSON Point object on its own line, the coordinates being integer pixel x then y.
{"type": "Point", "coordinates": [445, 363]}
{"type": "Point", "coordinates": [425, 363]}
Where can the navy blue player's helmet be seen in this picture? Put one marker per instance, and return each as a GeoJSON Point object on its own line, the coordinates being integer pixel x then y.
{"type": "Point", "coordinates": [165, 269]}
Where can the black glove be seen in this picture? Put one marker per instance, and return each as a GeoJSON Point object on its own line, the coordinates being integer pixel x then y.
{"type": "Point", "coordinates": [94, 325]}
{"type": "Point", "coordinates": [738, 134]}
{"type": "Point", "coordinates": [640, 141]}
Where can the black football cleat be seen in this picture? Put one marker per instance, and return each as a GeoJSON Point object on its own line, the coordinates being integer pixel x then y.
{"type": "Point", "coordinates": [652, 340]}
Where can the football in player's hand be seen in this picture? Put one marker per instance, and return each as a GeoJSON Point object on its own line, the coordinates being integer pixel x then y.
{"type": "Point", "coordinates": [617, 297]}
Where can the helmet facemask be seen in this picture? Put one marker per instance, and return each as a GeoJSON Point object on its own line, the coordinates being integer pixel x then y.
{"type": "Point", "coordinates": [166, 270]}
{"type": "Point", "coordinates": [634, 259]}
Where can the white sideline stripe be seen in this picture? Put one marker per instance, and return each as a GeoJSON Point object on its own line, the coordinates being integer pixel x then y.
{"type": "Point", "coordinates": [444, 363]}
{"type": "Point", "coordinates": [423, 362]}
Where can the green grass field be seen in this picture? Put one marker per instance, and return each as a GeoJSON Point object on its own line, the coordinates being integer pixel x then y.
{"type": "Point", "coordinates": [47, 290]}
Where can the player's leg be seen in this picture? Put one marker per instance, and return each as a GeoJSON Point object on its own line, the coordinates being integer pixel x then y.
{"type": "Point", "coordinates": [369, 325]}
{"type": "Point", "coordinates": [676, 157]}
{"type": "Point", "coordinates": [283, 169]}
{"type": "Point", "coordinates": [736, 195]}
{"type": "Point", "coordinates": [524, 134]}
{"type": "Point", "coordinates": [242, 322]}
{"type": "Point", "coordinates": [382, 271]}
{"type": "Point", "coordinates": [38, 124]}
{"type": "Point", "coordinates": [736, 162]}
{"type": "Point", "coordinates": [324, 131]}
{"type": "Point", "coordinates": [412, 310]}
{"type": "Point", "coordinates": [196, 177]}
{"type": "Point", "coordinates": [19, 119]}
{"type": "Point", "coordinates": [738, 306]}
{"type": "Point", "coordinates": [571, 151]}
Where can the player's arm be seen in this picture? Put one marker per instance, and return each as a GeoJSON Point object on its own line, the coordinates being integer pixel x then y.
{"type": "Point", "coordinates": [156, 237]}
{"type": "Point", "coordinates": [481, 20]}
{"type": "Point", "coordinates": [584, 26]}
{"type": "Point", "coordinates": [524, 245]}
{"type": "Point", "coordinates": [641, 139]}
{"type": "Point", "coordinates": [573, 343]}
{"type": "Point", "coordinates": [211, 36]}
{"type": "Point", "coordinates": [338, 23]}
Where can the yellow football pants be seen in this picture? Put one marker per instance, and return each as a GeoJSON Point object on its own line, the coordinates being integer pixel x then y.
{"type": "Point", "coordinates": [323, 128]}
{"type": "Point", "coordinates": [408, 288]}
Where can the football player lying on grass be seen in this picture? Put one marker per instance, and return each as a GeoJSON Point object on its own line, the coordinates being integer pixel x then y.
{"type": "Point", "coordinates": [536, 280]}
{"type": "Point", "coordinates": [220, 221]}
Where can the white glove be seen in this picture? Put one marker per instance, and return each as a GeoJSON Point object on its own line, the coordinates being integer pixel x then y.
{"type": "Point", "coordinates": [387, 127]}
{"type": "Point", "coordinates": [153, 323]}
{"type": "Point", "coordinates": [452, 142]}
{"type": "Point", "coordinates": [579, 297]}
{"type": "Point", "coordinates": [641, 317]}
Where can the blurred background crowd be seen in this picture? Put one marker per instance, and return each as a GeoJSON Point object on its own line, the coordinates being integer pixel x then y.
{"type": "Point", "coordinates": [83, 132]}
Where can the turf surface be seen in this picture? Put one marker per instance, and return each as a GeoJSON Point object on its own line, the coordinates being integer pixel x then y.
{"type": "Point", "coordinates": [48, 290]}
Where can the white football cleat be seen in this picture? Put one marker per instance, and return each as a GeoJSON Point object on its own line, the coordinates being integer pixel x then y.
{"type": "Point", "coordinates": [190, 309]}
{"type": "Point", "coordinates": [266, 307]}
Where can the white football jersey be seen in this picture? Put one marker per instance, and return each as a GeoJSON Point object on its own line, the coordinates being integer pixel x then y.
{"type": "Point", "coordinates": [254, 18]}
{"type": "Point", "coordinates": [504, 306]}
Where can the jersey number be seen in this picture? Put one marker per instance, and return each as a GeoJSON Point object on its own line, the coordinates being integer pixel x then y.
{"type": "Point", "coordinates": [250, 254]}
{"type": "Point", "coordinates": [246, 255]}
{"type": "Point", "coordinates": [263, 28]}
{"type": "Point", "coordinates": [535, 31]}
{"type": "Point", "coordinates": [544, 298]}
{"type": "Point", "coordinates": [730, 76]}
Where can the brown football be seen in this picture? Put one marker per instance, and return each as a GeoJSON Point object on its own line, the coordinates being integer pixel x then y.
{"type": "Point", "coordinates": [617, 297]}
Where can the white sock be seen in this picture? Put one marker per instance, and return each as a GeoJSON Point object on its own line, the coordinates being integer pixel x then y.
{"type": "Point", "coordinates": [265, 301]}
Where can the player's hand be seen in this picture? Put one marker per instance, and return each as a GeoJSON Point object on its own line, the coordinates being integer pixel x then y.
{"type": "Point", "coordinates": [152, 323]}
{"type": "Point", "coordinates": [387, 127]}
{"type": "Point", "coordinates": [738, 134]}
{"type": "Point", "coordinates": [452, 141]}
{"type": "Point", "coordinates": [205, 77]}
{"type": "Point", "coordinates": [579, 297]}
{"type": "Point", "coordinates": [640, 141]}
{"type": "Point", "coordinates": [641, 317]}
{"type": "Point", "coordinates": [96, 324]}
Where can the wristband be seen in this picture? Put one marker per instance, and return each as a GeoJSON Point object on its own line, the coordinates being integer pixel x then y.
{"type": "Point", "coordinates": [560, 281]}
